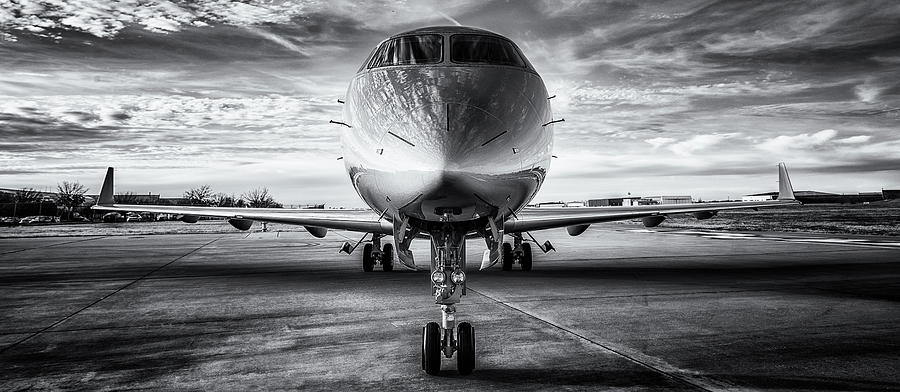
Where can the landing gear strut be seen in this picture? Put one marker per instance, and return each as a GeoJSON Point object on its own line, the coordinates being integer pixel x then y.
{"type": "Point", "coordinates": [448, 281]}
{"type": "Point", "coordinates": [373, 253]}
{"type": "Point", "coordinates": [519, 251]}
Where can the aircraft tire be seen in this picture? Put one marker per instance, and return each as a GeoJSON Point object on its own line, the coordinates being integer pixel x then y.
{"type": "Point", "coordinates": [387, 258]}
{"type": "Point", "coordinates": [431, 348]}
{"type": "Point", "coordinates": [526, 257]}
{"type": "Point", "coordinates": [465, 354]}
{"type": "Point", "coordinates": [507, 257]}
{"type": "Point", "coordinates": [367, 259]}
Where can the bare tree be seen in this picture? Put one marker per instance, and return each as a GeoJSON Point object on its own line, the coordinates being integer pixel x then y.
{"type": "Point", "coordinates": [201, 195]}
{"type": "Point", "coordinates": [224, 200]}
{"type": "Point", "coordinates": [260, 198]}
{"type": "Point", "coordinates": [29, 195]}
{"type": "Point", "coordinates": [126, 198]}
{"type": "Point", "coordinates": [70, 195]}
{"type": "Point", "coordinates": [7, 197]}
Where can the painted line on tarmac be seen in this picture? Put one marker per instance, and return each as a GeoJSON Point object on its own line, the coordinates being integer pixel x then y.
{"type": "Point", "coordinates": [114, 292]}
{"type": "Point", "coordinates": [719, 235]}
{"type": "Point", "coordinates": [52, 245]}
{"type": "Point", "coordinates": [688, 378]}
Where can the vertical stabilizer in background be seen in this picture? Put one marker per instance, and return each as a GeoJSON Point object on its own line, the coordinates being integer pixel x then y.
{"type": "Point", "coordinates": [785, 189]}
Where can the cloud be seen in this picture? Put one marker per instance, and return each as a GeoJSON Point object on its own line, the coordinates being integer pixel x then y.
{"type": "Point", "coordinates": [658, 142]}
{"type": "Point", "coordinates": [867, 92]}
{"type": "Point", "coordinates": [854, 139]}
{"type": "Point", "coordinates": [699, 142]}
{"type": "Point", "coordinates": [783, 143]}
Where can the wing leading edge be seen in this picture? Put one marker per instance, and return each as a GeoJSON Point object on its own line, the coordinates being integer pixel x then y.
{"type": "Point", "coordinates": [577, 219]}
{"type": "Point", "coordinates": [352, 220]}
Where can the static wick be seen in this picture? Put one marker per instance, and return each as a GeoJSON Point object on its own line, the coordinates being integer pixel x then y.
{"type": "Point", "coordinates": [339, 123]}
{"type": "Point", "coordinates": [553, 122]}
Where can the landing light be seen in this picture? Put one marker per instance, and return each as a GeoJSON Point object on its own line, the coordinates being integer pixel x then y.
{"type": "Point", "coordinates": [458, 277]}
{"type": "Point", "coordinates": [438, 277]}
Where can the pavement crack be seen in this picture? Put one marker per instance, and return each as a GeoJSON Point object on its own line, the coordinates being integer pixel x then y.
{"type": "Point", "coordinates": [114, 292]}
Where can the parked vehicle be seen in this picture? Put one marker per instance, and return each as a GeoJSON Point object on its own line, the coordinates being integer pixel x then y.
{"type": "Point", "coordinates": [38, 219]}
{"type": "Point", "coordinates": [9, 221]}
{"type": "Point", "coordinates": [113, 217]}
{"type": "Point", "coordinates": [133, 217]}
{"type": "Point", "coordinates": [76, 217]}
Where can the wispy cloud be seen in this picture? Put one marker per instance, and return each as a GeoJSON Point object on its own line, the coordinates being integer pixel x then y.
{"type": "Point", "coordinates": [698, 143]}
{"type": "Point", "coordinates": [803, 141]}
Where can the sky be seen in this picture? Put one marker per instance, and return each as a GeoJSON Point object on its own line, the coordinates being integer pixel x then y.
{"type": "Point", "coordinates": [698, 98]}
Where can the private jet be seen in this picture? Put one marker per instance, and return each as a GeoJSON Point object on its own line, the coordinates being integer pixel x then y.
{"type": "Point", "coordinates": [447, 134]}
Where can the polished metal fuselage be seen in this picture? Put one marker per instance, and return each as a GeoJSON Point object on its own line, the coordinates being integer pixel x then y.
{"type": "Point", "coordinates": [447, 141]}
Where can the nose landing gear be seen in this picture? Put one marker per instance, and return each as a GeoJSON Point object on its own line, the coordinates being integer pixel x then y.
{"type": "Point", "coordinates": [448, 280]}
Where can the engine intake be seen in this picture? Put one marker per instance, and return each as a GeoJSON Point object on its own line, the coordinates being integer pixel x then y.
{"type": "Point", "coordinates": [241, 224]}
{"type": "Point", "coordinates": [653, 221]}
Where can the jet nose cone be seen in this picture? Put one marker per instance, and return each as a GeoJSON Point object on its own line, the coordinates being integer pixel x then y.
{"type": "Point", "coordinates": [447, 136]}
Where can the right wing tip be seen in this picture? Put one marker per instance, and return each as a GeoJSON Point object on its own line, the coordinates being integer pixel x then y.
{"type": "Point", "coordinates": [785, 189]}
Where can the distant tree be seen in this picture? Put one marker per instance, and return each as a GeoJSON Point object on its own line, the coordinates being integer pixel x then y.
{"type": "Point", "coordinates": [70, 195]}
{"type": "Point", "coordinates": [7, 197]}
{"type": "Point", "coordinates": [29, 195]}
{"type": "Point", "coordinates": [201, 195]}
{"type": "Point", "coordinates": [260, 198]}
{"type": "Point", "coordinates": [224, 200]}
{"type": "Point", "coordinates": [126, 198]}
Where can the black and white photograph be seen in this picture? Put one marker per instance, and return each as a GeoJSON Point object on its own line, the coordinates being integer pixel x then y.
{"type": "Point", "coordinates": [461, 195]}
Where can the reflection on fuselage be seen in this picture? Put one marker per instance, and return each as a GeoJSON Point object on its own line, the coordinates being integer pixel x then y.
{"type": "Point", "coordinates": [431, 138]}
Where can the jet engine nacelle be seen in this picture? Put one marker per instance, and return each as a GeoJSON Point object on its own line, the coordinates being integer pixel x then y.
{"type": "Point", "coordinates": [241, 224]}
{"type": "Point", "coordinates": [701, 215]}
{"type": "Point", "coordinates": [653, 221]}
{"type": "Point", "coordinates": [576, 230]}
{"type": "Point", "coordinates": [318, 232]}
{"type": "Point", "coordinates": [190, 218]}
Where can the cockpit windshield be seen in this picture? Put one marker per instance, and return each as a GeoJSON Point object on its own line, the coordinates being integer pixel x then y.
{"type": "Point", "coordinates": [483, 49]}
{"type": "Point", "coordinates": [414, 49]}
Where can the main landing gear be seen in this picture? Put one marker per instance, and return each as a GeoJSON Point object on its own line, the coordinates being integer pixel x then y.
{"type": "Point", "coordinates": [374, 253]}
{"type": "Point", "coordinates": [517, 252]}
{"type": "Point", "coordinates": [448, 279]}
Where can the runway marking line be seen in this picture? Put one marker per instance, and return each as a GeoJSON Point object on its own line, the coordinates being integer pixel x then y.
{"type": "Point", "coordinates": [654, 364]}
{"type": "Point", "coordinates": [857, 242]}
{"type": "Point", "coordinates": [52, 245]}
{"type": "Point", "coordinates": [114, 292]}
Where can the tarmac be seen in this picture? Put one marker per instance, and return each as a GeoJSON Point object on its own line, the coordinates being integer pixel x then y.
{"type": "Point", "coordinates": [619, 307]}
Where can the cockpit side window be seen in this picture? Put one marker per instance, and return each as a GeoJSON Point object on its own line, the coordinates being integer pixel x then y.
{"type": "Point", "coordinates": [414, 49]}
{"type": "Point", "coordinates": [483, 49]}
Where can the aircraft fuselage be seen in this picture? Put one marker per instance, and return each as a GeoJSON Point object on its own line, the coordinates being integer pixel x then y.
{"type": "Point", "coordinates": [447, 140]}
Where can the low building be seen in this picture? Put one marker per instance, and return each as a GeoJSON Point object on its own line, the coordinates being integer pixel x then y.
{"type": "Point", "coordinates": [761, 196]}
{"type": "Point", "coordinates": [550, 204]}
{"type": "Point", "coordinates": [667, 200]}
{"type": "Point", "coordinates": [614, 202]}
{"type": "Point", "coordinates": [815, 197]}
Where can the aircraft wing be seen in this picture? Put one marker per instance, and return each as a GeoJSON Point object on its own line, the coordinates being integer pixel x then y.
{"type": "Point", "coordinates": [315, 221]}
{"type": "Point", "coordinates": [577, 220]}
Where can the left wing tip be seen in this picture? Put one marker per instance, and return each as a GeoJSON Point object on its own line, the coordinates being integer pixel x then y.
{"type": "Point", "coordinates": [106, 191]}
